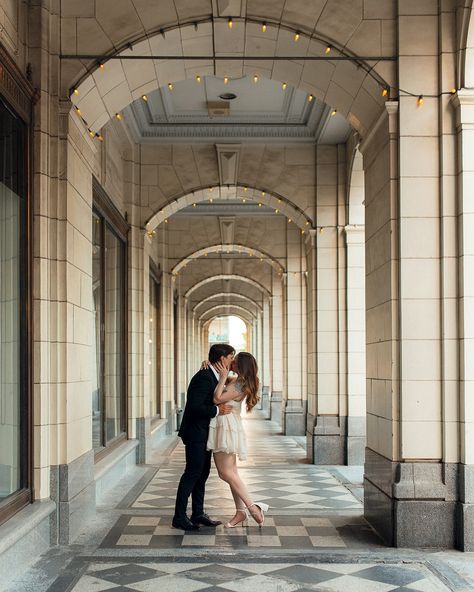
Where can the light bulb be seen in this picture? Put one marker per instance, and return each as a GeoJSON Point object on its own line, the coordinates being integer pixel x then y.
{"type": "Point", "coordinates": [297, 36]}
{"type": "Point", "coordinates": [385, 92]}
{"type": "Point", "coordinates": [198, 78]}
{"type": "Point", "coordinates": [246, 188]}
{"type": "Point", "coordinates": [328, 49]}
{"type": "Point", "coordinates": [145, 98]}
{"type": "Point", "coordinates": [76, 92]}
{"type": "Point", "coordinates": [264, 27]}
{"type": "Point", "coordinates": [226, 79]}
{"type": "Point", "coordinates": [420, 101]}
{"type": "Point", "coordinates": [170, 86]}
{"type": "Point", "coordinates": [102, 66]}
{"type": "Point", "coordinates": [91, 133]}
{"type": "Point", "coordinates": [100, 137]}
{"type": "Point", "coordinates": [284, 85]}
{"type": "Point", "coordinates": [78, 111]}
{"type": "Point", "coordinates": [230, 23]}
{"type": "Point", "coordinates": [194, 205]}
{"type": "Point", "coordinates": [333, 112]}
{"type": "Point", "coordinates": [259, 205]}
{"type": "Point", "coordinates": [255, 78]}
{"type": "Point", "coordinates": [118, 116]}
{"type": "Point", "coordinates": [310, 98]}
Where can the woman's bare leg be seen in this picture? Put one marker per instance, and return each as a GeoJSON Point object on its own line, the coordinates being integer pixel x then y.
{"type": "Point", "coordinates": [226, 465]}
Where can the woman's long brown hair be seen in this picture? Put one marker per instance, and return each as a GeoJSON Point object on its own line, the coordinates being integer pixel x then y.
{"type": "Point", "coordinates": [247, 370]}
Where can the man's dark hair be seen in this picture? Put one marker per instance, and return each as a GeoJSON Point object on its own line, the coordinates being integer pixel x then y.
{"type": "Point", "coordinates": [218, 350]}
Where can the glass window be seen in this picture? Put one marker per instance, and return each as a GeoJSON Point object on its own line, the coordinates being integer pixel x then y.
{"type": "Point", "coordinates": [108, 287]}
{"type": "Point", "coordinates": [13, 304]}
{"type": "Point", "coordinates": [154, 348]}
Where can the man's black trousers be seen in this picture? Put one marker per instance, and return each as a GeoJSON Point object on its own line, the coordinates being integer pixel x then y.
{"type": "Point", "coordinates": [193, 480]}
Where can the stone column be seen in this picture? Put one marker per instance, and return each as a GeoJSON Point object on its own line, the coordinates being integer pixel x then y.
{"type": "Point", "coordinates": [355, 310]}
{"type": "Point", "coordinates": [266, 374]}
{"type": "Point", "coordinates": [295, 403]}
{"type": "Point", "coordinates": [277, 348]}
{"type": "Point", "coordinates": [464, 103]}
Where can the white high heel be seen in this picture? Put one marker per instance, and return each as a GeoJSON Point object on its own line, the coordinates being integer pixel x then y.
{"type": "Point", "coordinates": [263, 508]}
{"type": "Point", "coordinates": [246, 515]}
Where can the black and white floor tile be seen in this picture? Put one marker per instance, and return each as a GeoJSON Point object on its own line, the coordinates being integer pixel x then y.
{"type": "Point", "coordinates": [249, 577]}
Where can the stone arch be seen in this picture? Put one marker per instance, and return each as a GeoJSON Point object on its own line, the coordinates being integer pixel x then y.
{"type": "Point", "coordinates": [229, 248]}
{"type": "Point", "coordinates": [279, 203]}
{"type": "Point", "coordinates": [248, 322]}
{"type": "Point", "coordinates": [466, 53]}
{"type": "Point", "coordinates": [228, 294]}
{"type": "Point", "coordinates": [214, 278]}
{"type": "Point", "coordinates": [353, 87]}
{"type": "Point", "coordinates": [227, 308]}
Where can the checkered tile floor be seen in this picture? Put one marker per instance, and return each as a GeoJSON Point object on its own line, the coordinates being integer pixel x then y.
{"type": "Point", "coordinates": [249, 577]}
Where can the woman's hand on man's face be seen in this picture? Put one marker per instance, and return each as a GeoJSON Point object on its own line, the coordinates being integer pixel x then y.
{"type": "Point", "coordinates": [222, 369]}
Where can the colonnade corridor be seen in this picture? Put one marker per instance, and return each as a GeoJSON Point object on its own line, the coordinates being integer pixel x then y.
{"type": "Point", "coordinates": [314, 536]}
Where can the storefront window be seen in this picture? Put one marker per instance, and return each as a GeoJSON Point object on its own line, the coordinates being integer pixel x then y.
{"type": "Point", "coordinates": [109, 296]}
{"type": "Point", "coordinates": [13, 305]}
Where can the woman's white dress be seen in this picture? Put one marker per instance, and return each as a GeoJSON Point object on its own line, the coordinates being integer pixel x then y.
{"type": "Point", "coordinates": [226, 432]}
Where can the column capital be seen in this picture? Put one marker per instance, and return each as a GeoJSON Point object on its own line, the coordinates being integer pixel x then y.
{"type": "Point", "coordinates": [463, 102]}
{"type": "Point", "coordinates": [390, 113]}
{"type": "Point", "coordinates": [355, 234]}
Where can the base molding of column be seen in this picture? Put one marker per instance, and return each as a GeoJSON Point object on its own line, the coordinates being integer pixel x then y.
{"type": "Point", "coordinates": [329, 440]}
{"type": "Point", "coordinates": [276, 402]}
{"type": "Point", "coordinates": [465, 509]}
{"type": "Point", "coordinates": [295, 417]}
{"type": "Point", "coordinates": [74, 491]}
{"type": "Point", "coordinates": [411, 504]}
{"type": "Point", "coordinates": [265, 402]}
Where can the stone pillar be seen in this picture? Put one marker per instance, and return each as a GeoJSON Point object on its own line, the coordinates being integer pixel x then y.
{"type": "Point", "coordinates": [355, 310]}
{"type": "Point", "coordinates": [277, 348]}
{"type": "Point", "coordinates": [330, 415]}
{"type": "Point", "coordinates": [266, 339]}
{"type": "Point", "coordinates": [464, 103]}
{"type": "Point", "coordinates": [295, 404]}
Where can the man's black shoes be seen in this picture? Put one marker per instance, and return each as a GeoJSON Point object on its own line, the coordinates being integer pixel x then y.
{"type": "Point", "coordinates": [184, 524]}
{"type": "Point", "coordinates": [204, 520]}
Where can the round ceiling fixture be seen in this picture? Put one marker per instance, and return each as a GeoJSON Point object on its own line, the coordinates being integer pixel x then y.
{"type": "Point", "coordinates": [227, 96]}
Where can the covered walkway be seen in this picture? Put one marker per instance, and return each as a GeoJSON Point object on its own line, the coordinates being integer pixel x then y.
{"type": "Point", "coordinates": [314, 538]}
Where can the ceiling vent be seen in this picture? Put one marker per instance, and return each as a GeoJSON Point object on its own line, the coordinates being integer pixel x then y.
{"type": "Point", "coordinates": [218, 108]}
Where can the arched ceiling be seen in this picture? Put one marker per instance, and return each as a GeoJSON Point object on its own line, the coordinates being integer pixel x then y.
{"type": "Point", "coordinates": [220, 285]}
{"type": "Point", "coordinates": [354, 89]}
{"type": "Point", "coordinates": [226, 309]}
{"type": "Point", "coordinates": [227, 277]}
{"type": "Point", "coordinates": [226, 249]}
{"type": "Point", "coordinates": [237, 313]}
{"type": "Point", "coordinates": [227, 298]}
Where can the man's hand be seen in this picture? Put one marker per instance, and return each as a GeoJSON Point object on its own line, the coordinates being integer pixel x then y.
{"type": "Point", "coordinates": [224, 409]}
{"type": "Point", "coordinates": [205, 365]}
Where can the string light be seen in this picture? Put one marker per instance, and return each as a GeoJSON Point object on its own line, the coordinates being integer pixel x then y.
{"type": "Point", "coordinates": [255, 78]}
{"type": "Point", "coordinates": [385, 92]}
{"type": "Point", "coordinates": [118, 116]}
{"type": "Point", "coordinates": [264, 27]}
{"type": "Point", "coordinates": [100, 137]}
{"type": "Point", "coordinates": [454, 91]}
{"type": "Point", "coordinates": [310, 98]}
{"type": "Point", "coordinates": [276, 211]}
{"type": "Point", "coordinates": [284, 85]}
{"type": "Point", "coordinates": [420, 101]}
{"type": "Point", "coordinates": [246, 188]}
{"type": "Point", "coordinates": [230, 22]}
{"type": "Point", "coordinates": [226, 80]}
{"type": "Point", "coordinates": [166, 221]}
{"type": "Point", "coordinates": [198, 79]}
{"type": "Point", "coordinates": [145, 98]}
{"type": "Point", "coordinates": [328, 49]}
{"type": "Point", "coordinates": [259, 205]}
{"type": "Point", "coordinates": [91, 133]}
{"type": "Point", "coordinates": [170, 86]}
{"type": "Point", "coordinates": [263, 193]}
{"type": "Point", "coordinates": [333, 112]}
{"type": "Point", "coordinates": [78, 111]}
{"type": "Point", "coordinates": [289, 220]}
{"type": "Point", "coordinates": [194, 205]}
{"type": "Point", "coordinates": [76, 92]}
{"type": "Point", "coordinates": [102, 66]}
{"type": "Point", "coordinates": [297, 36]}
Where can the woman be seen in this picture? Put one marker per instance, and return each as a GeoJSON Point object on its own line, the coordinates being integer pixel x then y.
{"type": "Point", "coordinates": [227, 436]}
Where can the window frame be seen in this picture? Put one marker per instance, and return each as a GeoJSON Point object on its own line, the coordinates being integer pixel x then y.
{"type": "Point", "coordinates": [111, 218]}
{"type": "Point", "coordinates": [155, 276]}
{"type": "Point", "coordinates": [19, 97]}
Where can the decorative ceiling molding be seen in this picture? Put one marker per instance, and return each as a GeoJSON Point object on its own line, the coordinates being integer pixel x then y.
{"type": "Point", "coordinates": [228, 278]}
{"type": "Point", "coordinates": [227, 226]}
{"type": "Point", "coordinates": [227, 308]}
{"type": "Point", "coordinates": [228, 157]}
{"type": "Point", "coordinates": [229, 295]}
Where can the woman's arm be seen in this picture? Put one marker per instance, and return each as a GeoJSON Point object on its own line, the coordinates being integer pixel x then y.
{"type": "Point", "coordinates": [226, 393]}
{"type": "Point", "coordinates": [223, 392]}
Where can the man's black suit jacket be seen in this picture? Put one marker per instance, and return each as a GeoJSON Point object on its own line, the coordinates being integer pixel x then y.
{"type": "Point", "coordinates": [199, 408]}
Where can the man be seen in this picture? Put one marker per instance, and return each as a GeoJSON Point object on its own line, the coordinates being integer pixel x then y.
{"type": "Point", "coordinates": [194, 431]}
